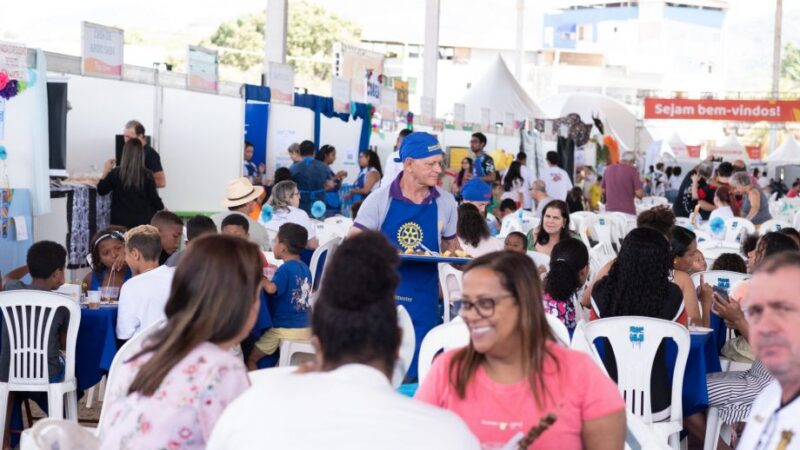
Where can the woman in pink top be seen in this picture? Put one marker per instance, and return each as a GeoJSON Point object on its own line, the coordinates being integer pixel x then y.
{"type": "Point", "coordinates": [170, 395]}
{"type": "Point", "coordinates": [513, 373]}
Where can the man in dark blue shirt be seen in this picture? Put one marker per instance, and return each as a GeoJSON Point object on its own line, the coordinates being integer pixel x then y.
{"type": "Point", "coordinates": [312, 177]}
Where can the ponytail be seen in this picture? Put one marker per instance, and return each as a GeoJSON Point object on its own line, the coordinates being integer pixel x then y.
{"type": "Point", "coordinates": [567, 259]}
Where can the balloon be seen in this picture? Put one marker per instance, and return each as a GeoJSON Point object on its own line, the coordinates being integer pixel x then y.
{"type": "Point", "coordinates": [266, 214]}
{"type": "Point", "coordinates": [717, 225]}
{"type": "Point", "coordinates": [318, 209]}
{"type": "Point", "coordinates": [3, 153]}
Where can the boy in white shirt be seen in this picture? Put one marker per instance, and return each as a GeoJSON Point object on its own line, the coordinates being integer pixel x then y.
{"type": "Point", "coordinates": [556, 179]}
{"type": "Point", "coordinates": [142, 298]}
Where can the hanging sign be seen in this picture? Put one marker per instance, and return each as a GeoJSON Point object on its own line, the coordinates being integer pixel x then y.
{"type": "Point", "coordinates": [14, 61]}
{"type": "Point", "coordinates": [340, 91]}
{"type": "Point", "coordinates": [731, 110]}
{"type": "Point", "coordinates": [281, 82]}
{"type": "Point", "coordinates": [388, 103]}
{"type": "Point", "coordinates": [402, 94]}
{"type": "Point", "coordinates": [203, 69]}
{"type": "Point", "coordinates": [102, 50]}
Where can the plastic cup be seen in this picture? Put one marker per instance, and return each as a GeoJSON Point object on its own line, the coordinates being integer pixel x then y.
{"type": "Point", "coordinates": [93, 299]}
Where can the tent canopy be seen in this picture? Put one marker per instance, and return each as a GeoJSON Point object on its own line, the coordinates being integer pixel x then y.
{"type": "Point", "coordinates": [788, 152]}
{"type": "Point", "coordinates": [730, 149]}
{"type": "Point", "coordinates": [499, 91]}
{"type": "Point", "coordinates": [615, 115]}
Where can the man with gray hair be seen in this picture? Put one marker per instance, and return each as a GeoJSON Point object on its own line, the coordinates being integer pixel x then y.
{"type": "Point", "coordinates": [539, 195]}
{"type": "Point", "coordinates": [772, 309]}
{"type": "Point", "coordinates": [621, 183]}
{"type": "Point", "coordinates": [695, 191]}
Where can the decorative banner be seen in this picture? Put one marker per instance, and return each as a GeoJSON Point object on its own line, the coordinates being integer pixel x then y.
{"type": "Point", "coordinates": [374, 82]}
{"type": "Point", "coordinates": [753, 151]}
{"type": "Point", "coordinates": [352, 63]}
{"type": "Point", "coordinates": [203, 69]}
{"type": "Point", "coordinates": [340, 91]}
{"type": "Point", "coordinates": [486, 119]}
{"type": "Point", "coordinates": [388, 103]}
{"type": "Point", "coordinates": [731, 110]}
{"type": "Point", "coordinates": [508, 123]}
{"type": "Point", "coordinates": [402, 94]}
{"type": "Point", "coordinates": [427, 110]}
{"type": "Point", "coordinates": [693, 151]}
{"type": "Point", "coordinates": [102, 50]}
{"type": "Point", "coordinates": [14, 61]}
{"type": "Point", "coordinates": [459, 115]}
{"type": "Point", "coordinates": [281, 82]}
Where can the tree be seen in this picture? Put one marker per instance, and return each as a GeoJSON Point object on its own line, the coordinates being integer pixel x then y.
{"type": "Point", "coordinates": [790, 66]}
{"type": "Point", "coordinates": [312, 31]}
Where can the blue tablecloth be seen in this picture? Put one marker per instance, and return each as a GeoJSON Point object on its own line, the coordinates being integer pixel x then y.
{"type": "Point", "coordinates": [703, 359]}
{"type": "Point", "coordinates": [97, 345]}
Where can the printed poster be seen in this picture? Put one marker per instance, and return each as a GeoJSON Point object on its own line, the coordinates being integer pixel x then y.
{"type": "Point", "coordinates": [203, 69]}
{"type": "Point", "coordinates": [102, 50]}
{"type": "Point", "coordinates": [281, 83]}
{"type": "Point", "coordinates": [340, 91]}
{"type": "Point", "coordinates": [14, 61]}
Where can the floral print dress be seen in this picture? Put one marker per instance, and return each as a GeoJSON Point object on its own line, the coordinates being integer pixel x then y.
{"type": "Point", "coordinates": [184, 409]}
{"type": "Point", "coordinates": [564, 310]}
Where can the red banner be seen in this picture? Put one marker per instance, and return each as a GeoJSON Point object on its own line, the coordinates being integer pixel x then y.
{"type": "Point", "coordinates": [753, 151]}
{"type": "Point", "coordinates": [731, 110]}
{"type": "Point", "coordinates": [693, 151]}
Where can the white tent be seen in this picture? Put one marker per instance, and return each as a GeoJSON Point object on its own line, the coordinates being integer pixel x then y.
{"type": "Point", "coordinates": [499, 91]}
{"type": "Point", "coordinates": [730, 149]}
{"type": "Point", "coordinates": [617, 118]}
{"type": "Point", "coordinates": [787, 153]}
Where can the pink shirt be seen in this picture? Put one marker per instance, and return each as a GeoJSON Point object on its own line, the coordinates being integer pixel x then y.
{"type": "Point", "coordinates": [620, 182]}
{"type": "Point", "coordinates": [183, 410]}
{"type": "Point", "coordinates": [495, 412]}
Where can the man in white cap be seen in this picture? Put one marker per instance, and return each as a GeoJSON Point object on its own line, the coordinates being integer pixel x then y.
{"type": "Point", "coordinates": [240, 198]}
{"type": "Point", "coordinates": [772, 309]}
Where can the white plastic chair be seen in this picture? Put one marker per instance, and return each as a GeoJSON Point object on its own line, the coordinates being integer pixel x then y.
{"type": "Point", "coordinates": [684, 222]}
{"type": "Point", "coordinates": [603, 228]}
{"type": "Point", "coordinates": [773, 225]}
{"type": "Point", "coordinates": [407, 346]}
{"type": "Point", "coordinates": [720, 278]}
{"type": "Point", "coordinates": [451, 282]}
{"type": "Point", "coordinates": [329, 248]}
{"type": "Point", "coordinates": [293, 352]}
{"type": "Point", "coordinates": [444, 337]}
{"type": "Point", "coordinates": [511, 223]}
{"type": "Point", "coordinates": [734, 228]}
{"type": "Point", "coordinates": [28, 318]}
{"type": "Point", "coordinates": [635, 341]}
{"type": "Point", "coordinates": [796, 221]}
{"type": "Point", "coordinates": [333, 227]}
{"type": "Point", "coordinates": [540, 259]}
{"type": "Point", "coordinates": [702, 236]}
{"type": "Point", "coordinates": [559, 329]}
{"type": "Point", "coordinates": [581, 343]}
{"type": "Point", "coordinates": [48, 434]}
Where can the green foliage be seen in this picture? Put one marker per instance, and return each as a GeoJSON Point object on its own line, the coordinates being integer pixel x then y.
{"type": "Point", "coordinates": [790, 66]}
{"type": "Point", "coordinates": [312, 31]}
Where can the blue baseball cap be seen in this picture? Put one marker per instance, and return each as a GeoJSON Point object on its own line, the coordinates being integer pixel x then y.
{"type": "Point", "coordinates": [419, 145]}
{"type": "Point", "coordinates": [476, 190]}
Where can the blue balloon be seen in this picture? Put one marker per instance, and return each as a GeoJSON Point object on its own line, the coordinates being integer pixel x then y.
{"type": "Point", "coordinates": [318, 209]}
{"type": "Point", "coordinates": [717, 225]}
{"type": "Point", "coordinates": [31, 77]}
{"type": "Point", "coordinates": [266, 214]}
{"type": "Point", "coordinates": [3, 153]}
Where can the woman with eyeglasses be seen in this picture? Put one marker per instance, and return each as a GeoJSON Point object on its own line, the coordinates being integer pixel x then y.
{"type": "Point", "coordinates": [513, 373]}
{"type": "Point", "coordinates": [284, 203]}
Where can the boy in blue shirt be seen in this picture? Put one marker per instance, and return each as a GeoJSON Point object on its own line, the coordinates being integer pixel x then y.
{"type": "Point", "coordinates": [290, 292]}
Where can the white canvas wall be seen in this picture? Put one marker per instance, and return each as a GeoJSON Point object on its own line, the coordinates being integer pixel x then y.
{"type": "Point", "coordinates": [19, 113]}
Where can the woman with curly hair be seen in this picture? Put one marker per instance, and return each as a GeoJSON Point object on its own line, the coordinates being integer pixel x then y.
{"type": "Point", "coordinates": [639, 284]}
{"type": "Point", "coordinates": [553, 229]}
{"type": "Point", "coordinates": [473, 232]}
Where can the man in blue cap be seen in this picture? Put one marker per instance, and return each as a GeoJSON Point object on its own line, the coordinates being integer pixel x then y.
{"type": "Point", "coordinates": [415, 214]}
{"type": "Point", "coordinates": [479, 194]}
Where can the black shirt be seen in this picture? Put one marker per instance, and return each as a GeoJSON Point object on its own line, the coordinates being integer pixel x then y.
{"type": "Point", "coordinates": [152, 160]}
{"type": "Point", "coordinates": [684, 203]}
{"type": "Point", "coordinates": [130, 207]}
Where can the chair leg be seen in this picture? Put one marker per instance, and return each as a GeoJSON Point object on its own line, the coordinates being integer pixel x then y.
{"type": "Point", "coordinates": [713, 426]}
{"type": "Point", "coordinates": [90, 397]}
{"type": "Point", "coordinates": [674, 441]}
{"type": "Point", "coordinates": [28, 412]}
{"type": "Point", "coordinates": [55, 404]}
{"type": "Point", "coordinates": [101, 393]}
{"type": "Point", "coordinates": [3, 408]}
{"type": "Point", "coordinates": [72, 406]}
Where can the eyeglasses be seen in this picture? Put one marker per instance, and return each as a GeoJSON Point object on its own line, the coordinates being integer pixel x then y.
{"type": "Point", "coordinates": [483, 306]}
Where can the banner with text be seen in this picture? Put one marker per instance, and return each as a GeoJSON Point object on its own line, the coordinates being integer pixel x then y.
{"type": "Point", "coordinates": [388, 103]}
{"type": "Point", "coordinates": [281, 82]}
{"type": "Point", "coordinates": [102, 50]}
{"type": "Point", "coordinates": [14, 61]}
{"type": "Point", "coordinates": [203, 69]}
{"type": "Point", "coordinates": [731, 110]}
{"type": "Point", "coordinates": [340, 91]}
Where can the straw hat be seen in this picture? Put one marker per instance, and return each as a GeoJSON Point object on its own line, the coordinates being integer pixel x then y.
{"type": "Point", "coordinates": [240, 192]}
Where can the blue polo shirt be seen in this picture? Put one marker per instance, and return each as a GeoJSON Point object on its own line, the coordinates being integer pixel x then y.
{"type": "Point", "coordinates": [310, 176]}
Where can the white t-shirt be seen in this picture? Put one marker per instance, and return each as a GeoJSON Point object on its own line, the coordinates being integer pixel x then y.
{"type": "Point", "coordinates": [557, 182]}
{"type": "Point", "coordinates": [142, 300]}
{"type": "Point", "coordinates": [485, 246]}
{"type": "Point", "coordinates": [518, 190]}
{"type": "Point", "coordinates": [527, 176]}
{"type": "Point", "coordinates": [674, 183]}
{"type": "Point", "coordinates": [290, 215]}
{"type": "Point", "coordinates": [391, 169]}
{"type": "Point", "coordinates": [770, 425]}
{"type": "Point", "coordinates": [351, 407]}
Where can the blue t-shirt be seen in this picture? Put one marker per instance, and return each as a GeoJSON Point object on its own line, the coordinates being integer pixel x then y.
{"type": "Point", "coordinates": [310, 176]}
{"type": "Point", "coordinates": [289, 306]}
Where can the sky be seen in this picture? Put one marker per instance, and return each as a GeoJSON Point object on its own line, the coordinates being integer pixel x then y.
{"type": "Point", "coordinates": [55, 24]}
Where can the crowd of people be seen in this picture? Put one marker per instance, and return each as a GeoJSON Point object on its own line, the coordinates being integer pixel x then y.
{"type": "Point", "coordinates": [209, 298]}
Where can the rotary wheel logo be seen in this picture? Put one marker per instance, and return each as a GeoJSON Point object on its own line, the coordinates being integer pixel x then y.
{"type": "Point", "coordinates": [409, 236]}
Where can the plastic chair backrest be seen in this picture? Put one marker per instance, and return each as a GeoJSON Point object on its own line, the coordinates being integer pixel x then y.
{"type": "Point", "coordinates": [735, 227]}
{"type": "Point", "coordinates": [451, 282]}
{"type": "Point", "coordinates": [559, 329]}
{"type": "Point", "coordinates": [604, 227]}
{"type": "Point", "coordinates": [329, 248]}
{"type": "Point", "coordinates": [796, 221]}
{"type": "Point", "coordinates": [511, 223]}
{"type": "Point", "coordinates": [723, 279]}
{"type": "Point", "coordinates": [702, 236]}
{"type": "Point", "coordinates": [290, 348]}
{"type": "Point", "coordinates": [28, 316]}
{"type": "Point", "coordinates": [407, 346]}
{"type": "Point", "coordinates": [126, 352]}
{"type": "Point", "coordinates": [635, 341]}
{"type": "Point", "coordinates": [581, 343]}
{"type": "Point", "coordinates": [602, 253]}
{"type": "Point", "coordinates": [684, 222]}
{"type": "Point", "coordinates": [529, 223]}
{"type": "Point", "coordinates": [443, 337]}
{"type": "Point", "coordinates": [49, 434]}
{"type": "Point", "coordinates": [337, 226]}
{"type": "Point", "coordinates": [773, 225]}
{"type": "Point", "coordinates": [540, 259]}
